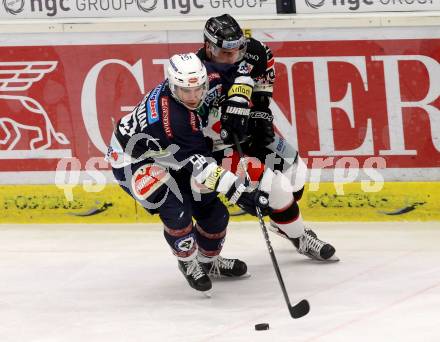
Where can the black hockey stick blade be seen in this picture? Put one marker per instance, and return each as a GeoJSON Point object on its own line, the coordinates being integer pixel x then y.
{"type": "Point", "coordinates": [299, 310]}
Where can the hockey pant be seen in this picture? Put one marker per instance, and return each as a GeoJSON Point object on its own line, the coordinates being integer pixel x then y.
{"type": "Point", "coordinates": [169, 194]}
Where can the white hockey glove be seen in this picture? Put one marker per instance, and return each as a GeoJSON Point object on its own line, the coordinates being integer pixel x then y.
{"type": "Point", "coordinates": [237, 190]}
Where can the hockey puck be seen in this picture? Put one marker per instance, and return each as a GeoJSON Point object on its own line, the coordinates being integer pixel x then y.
{"type": "Point", "coordinates": [262, 326]}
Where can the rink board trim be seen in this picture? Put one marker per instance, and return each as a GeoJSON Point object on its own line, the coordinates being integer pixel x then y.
{"type": "Point", "coordinates": [406, 201]}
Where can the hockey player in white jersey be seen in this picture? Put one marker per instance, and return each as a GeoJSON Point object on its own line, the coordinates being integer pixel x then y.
{"type": "Point", "coordinates": [285, 170]}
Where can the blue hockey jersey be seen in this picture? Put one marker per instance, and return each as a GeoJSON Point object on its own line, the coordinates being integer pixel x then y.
{"type": "Point", "coordinates": [162, 129]}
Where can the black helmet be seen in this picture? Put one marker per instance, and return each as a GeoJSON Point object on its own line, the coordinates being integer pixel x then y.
{"type": "Point", "coordinates": [224, 32]}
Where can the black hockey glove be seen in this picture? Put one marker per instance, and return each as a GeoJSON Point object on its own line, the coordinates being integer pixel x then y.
{"type": "Point", "coordinates": [248, 199]}
{"type": "Point", "coordinates": [235, 110]}
{"type": "Point", "coordinates": [260, 126]}
{"type": "Point", "coordinates": [234, 119]}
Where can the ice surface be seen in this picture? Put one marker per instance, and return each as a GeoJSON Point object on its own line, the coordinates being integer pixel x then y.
{"type": "Point", "coordinates": [93, 283]}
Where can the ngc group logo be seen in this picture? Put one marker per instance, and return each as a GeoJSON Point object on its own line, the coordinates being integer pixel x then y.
{"type": "Point", "coordinates": [315, 3]}
{"type": "Point", "coordinates": [13, 6]}
{"type": "Point", "coordinates": [146, 5]}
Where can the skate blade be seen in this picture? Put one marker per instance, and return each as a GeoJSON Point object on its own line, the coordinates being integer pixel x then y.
{"type": "Point", "coordinates": [330, 260]}
{"type": "Point", "coordinates": [207, 294]}
{"type": "Point", "coordinates": [226, 278]}
{"type": "Point", "coordinates": [334, 258]}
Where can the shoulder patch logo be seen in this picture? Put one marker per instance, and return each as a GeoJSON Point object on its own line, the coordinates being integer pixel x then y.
{"type": "Point", "coordinates": [153, 105]}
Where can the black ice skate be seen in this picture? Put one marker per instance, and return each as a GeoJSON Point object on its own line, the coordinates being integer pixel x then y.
{"type": "Point", "coordinates": [309, 245]}
{"type": "Point", "coordinates": [223, 267]}
{"type": "Point", "coordinates": [195, 275]}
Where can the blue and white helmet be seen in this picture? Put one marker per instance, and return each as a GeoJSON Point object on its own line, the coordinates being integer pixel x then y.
{"type": "Point", "coordinates": [187, 71]}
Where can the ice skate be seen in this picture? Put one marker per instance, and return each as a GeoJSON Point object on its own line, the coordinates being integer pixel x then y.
{"type": "Point", "coordinates": [196, 276]}
{"type": "Point", "coordinates": [223, 267]}
{"type": "Point", "coordinates": [309, 245]}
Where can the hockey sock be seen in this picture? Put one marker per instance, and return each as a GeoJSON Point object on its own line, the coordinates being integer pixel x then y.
{"type": "Point", "coordinates": [288, 221]}
{"type": "Point", "coordinates": [209, 243]}
{"type": "Point", "coordinates": [182, 241]}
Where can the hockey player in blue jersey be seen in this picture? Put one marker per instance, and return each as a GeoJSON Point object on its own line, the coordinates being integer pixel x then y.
{"type": "Point", "coordinates": [225, 43]}
{"type": "Point", "coordinates": [158, 150]}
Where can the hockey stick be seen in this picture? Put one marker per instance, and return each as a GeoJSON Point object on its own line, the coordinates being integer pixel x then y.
{"type": "Point", "coordinates": [302, 308]}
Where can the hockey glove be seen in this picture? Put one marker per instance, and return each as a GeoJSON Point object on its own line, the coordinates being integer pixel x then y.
{"type": "Point", "coordinates": [234, 119]}
{"type": "Point", "coordinates": [248, 198]}
{"type": "Point", "coordinates": [261, 127]}
{"type": "Point", "coordinates": [235, 110]}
